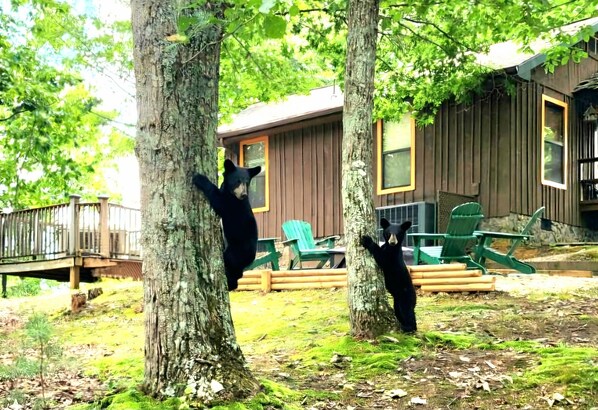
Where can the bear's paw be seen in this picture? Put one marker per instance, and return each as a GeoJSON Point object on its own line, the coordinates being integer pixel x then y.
{"type": "Point", "coordinates": [201, 181]}
{"type": "Point", "coordinates": [366, 241]}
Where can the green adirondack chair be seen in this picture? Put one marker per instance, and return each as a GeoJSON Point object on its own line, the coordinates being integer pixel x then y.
{"type": "Point", "coordinates": [270, 254]}
{"type": "Point", "coordinates": [459, 235]}
{"type": "Point", "coordinates": [485, 251]}
{"type": "Point", "coordinates": [301, 241]}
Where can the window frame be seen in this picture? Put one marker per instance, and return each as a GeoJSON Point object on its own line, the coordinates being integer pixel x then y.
{"type": "Point", "coordinates": [379, 159]}
{"type": "Point", "coordinates": [250, 141]}
{"type": "Point", "coordinates": [565, 107]}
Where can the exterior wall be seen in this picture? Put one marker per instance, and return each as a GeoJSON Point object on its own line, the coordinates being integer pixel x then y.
{"type": "Point", "coordinates": [304, 167]}
{"type": "Point", "coordinates": [463, 152]}
{"type": "Point", "coordinates": [489, 149]}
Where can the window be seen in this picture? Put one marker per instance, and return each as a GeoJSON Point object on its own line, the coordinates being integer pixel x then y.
{"type": "Point", "coordinates": [254, 152]}
{"type": "Point", "coordinates": [554, 142]}
{"type": "Point", "coordinates": [396, 155]}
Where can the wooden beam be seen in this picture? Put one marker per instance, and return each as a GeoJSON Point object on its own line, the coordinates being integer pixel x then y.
{"type": "Point", "coordinates": [34, 266]}
{"type": "Point", "coordinates": [296, 286]}
{"type": "Point", "coordinates": [266, 280]}
{"type": "Point", "coordinates": [75, 276]}
{"type": "Point", "coordinates": [308, 272]}
{"type": "Point", "coordinates": [98, 263]}
{"type": "Point", "coordinates": [447, 274]}
{"type": "Point", "coordinates": [454, 281]}
{"type": "Point", "coordinates": [308, 279]}
{"type": "Point", "coordinates": [437, 268]}
{"type": "Point", "coordinates": [104, 227]}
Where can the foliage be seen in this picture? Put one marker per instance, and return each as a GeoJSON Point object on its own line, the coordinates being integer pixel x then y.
{"type": "Point", "coordinates": [41, 353]}
{"type": "Point", "coordinates": [427, 51]}
{"type": "Point", "coordinates": [24, 287]}
{"type": "Point", "coordinates": [53, 137]}
{"type": "Point", "coordinates": [18, 287]}
{"type": "Point", "coordinates": [39, 333]}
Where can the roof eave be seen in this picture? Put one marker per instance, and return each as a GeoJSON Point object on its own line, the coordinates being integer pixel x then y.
{"type": "Point", "coordinates": [524, 70]}
{"type": "Point", "coordinates": [284, 121]}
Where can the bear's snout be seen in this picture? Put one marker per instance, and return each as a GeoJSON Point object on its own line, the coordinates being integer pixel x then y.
{"type": "Point", "coordinates": [393, 240]}
{"type": "Point", "coordinates": [241, 191]}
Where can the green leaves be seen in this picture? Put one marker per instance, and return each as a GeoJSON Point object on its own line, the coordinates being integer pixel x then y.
{"type": "Point", "coordinates": [274, 26]}
{"type": "Point", "coordinates": [267, 6]}
{"type": "Point", "coordinates": [52, 135]}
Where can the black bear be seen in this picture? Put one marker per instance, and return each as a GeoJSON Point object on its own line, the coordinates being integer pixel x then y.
{"type": "Point", "coordinates": [398, 282]}
{"type": "Point", "coordinates": [231, 204]}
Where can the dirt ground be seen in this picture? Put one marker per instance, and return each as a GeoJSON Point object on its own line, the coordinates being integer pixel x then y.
{"type": "Point", "coordinates": [445, 377]}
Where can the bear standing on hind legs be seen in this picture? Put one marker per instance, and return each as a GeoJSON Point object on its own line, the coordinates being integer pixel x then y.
{"type": "Point", "coordinates": [231, 204]}
{"type": "Point", "coordinates": [397, 279]}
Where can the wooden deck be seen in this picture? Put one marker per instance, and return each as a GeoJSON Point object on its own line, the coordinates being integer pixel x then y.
{"type": "Point", "coordinates": [71, 242]}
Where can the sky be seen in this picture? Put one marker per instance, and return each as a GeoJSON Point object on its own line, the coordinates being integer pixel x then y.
{"type": "Point", "coordinates": [117, 93]}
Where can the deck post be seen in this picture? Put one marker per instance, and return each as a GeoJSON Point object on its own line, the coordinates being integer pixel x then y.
{"type": "Point", "coordinates": [74, 240]}
{"type": "Point", "coordinates": [75, 276]}
{"type": "Point", "coordinates": [104, 227]}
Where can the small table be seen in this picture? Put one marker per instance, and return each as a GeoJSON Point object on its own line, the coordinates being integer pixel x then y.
{"type": "Point", "coordinates": [337, 257]}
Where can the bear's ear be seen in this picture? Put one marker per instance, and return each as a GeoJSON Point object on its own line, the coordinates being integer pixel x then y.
{"type": "Point", "coordinates": [229, 166]}
{"type": "Point", "coordinates": [405, 225]}
{"type": "Point", "coordinates": [254, 171]}
{"type": "Point", "coordinates": [384, 223]}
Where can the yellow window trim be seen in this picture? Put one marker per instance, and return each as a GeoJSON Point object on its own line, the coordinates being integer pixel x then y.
{"type": "Point", "coordinates": [565, 107]}
{"type": "Point", "coordinates": [255, 140]}
{"type": "Point", "coordinates": [411, 186]}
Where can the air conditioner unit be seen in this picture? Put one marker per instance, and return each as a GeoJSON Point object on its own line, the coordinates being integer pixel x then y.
{"type": "Point", "coordinates": [421, 214]}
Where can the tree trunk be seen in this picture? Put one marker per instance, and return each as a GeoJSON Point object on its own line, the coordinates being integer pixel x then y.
{"type": "Point", "coordinates": [190, 340]}
{"type": "Point", "coordinates": [370, 312]}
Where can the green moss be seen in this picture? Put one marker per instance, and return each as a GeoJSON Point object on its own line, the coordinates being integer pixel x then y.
{"type": "Point", "coordinates": [366, 359]}
{"type": "Point", "coordinates": [446, 308]}
{"type": "Point", "coordinates": [517, 345]}
{"type": "Point", "coordinates": [451, 340]}
{"type": "Point", "coordinates": [274, 395]}
{"type": "Point", "coordinates": [135, 400]}
{"type": "Point", "coordinates": [574, 367]}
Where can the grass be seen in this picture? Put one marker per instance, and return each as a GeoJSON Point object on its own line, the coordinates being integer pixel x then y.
{"type": "Point", "coordinates": [299, 346]}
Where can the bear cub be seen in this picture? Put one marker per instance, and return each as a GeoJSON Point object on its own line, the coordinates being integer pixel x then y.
{"type": "Point", "coordinates": [231, 204]}
{"type": "Point", "coordinates": [398, 282]}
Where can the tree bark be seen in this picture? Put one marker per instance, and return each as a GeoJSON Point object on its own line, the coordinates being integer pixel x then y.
{"type": "Point", "coordinates": [370, 312]}
{"type": "Point", "coordinates": [190, 340]}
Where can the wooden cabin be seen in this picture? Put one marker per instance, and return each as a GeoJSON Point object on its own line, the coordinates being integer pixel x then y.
{"type": "Point", "coordinates": [512, 153]}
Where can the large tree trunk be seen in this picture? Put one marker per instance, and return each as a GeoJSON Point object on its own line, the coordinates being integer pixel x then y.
{"type": "Point", "coordinates": [189, 335]}
{"type": "Point", "coordinates": [370, 312]}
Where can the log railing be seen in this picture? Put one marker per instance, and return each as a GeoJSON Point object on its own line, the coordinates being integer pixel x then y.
{"type": "Point", "coordinates": [74, 229]}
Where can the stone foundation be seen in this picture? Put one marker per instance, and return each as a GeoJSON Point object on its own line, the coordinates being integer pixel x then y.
{"type": "Point", "coordinates": [559, 232]}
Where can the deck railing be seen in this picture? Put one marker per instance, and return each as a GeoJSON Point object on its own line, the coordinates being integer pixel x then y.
{"type": "Point", "coordinates": [73, 229]}
{"type": "Point", "coordinates": [588, 179]}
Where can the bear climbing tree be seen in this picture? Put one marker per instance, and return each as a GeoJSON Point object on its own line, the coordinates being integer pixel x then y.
{"type": "Point", "coordinates": [397, 279]}
{"type": "Point", "coordinates": [231, 204]}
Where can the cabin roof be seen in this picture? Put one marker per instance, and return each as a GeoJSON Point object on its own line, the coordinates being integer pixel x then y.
{"type": "Point", "coordinates": [319, 101]}
{"type": "Point", "coordinates": [507, 55]}
{"type": "Point", "coordinates": [328, 100]}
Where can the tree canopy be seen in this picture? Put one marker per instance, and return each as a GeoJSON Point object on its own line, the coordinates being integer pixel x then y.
{"type": "Point", "coordinates": [427, 50]}
{"type": "Point", "coordinates": [53, 135]}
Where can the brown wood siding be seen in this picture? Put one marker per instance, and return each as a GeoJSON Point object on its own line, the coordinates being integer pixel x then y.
{"type": "Point", "coordinates": [489, 148]}
{"type": "Point", "coordinates": [305, 179]}
{"type": "Point", "coordinates": [565, 78]}
{"type": "Point", "coordinates": [464, 147]}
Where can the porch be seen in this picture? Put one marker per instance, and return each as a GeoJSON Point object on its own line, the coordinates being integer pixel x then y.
{"type": "Point", "coordinates": [588, 181]}
{"type": "Point", "coordinates": [71, 242]}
